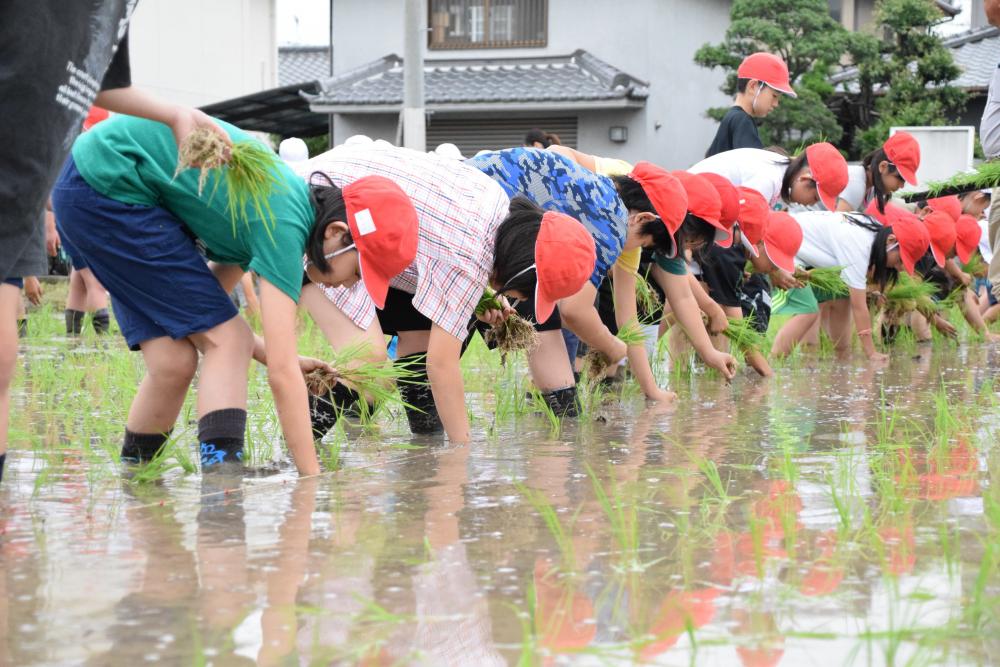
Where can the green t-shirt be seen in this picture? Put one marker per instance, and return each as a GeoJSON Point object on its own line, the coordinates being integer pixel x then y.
{"type": "Point", "coordinates": [132, 160]}
{"type": "Point", "coordinates": [673, 265]}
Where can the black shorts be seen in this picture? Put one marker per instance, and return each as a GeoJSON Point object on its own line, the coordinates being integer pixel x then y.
{"type": "Point", "coordinates": [399, 314]}
{"type": "Point", "coordinates": [756, 304]}
{"type": "Point", "coordinates": [722, 273]}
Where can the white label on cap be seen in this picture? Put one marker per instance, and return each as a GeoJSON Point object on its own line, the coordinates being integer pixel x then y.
{"type": "Point", "coordinates": [365, 223]}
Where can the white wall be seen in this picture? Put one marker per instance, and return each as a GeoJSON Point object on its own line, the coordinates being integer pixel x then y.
{"type": "Point", "coordinates": [653, 40]}
{"type": "Point", "coordinates": [202, 51]}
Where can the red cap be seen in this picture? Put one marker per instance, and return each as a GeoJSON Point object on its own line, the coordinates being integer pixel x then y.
{"type": "Point", "coordinates": [384, 228]}
{"type": "Point", "coordinates": [95, 116]}
{"type": "Point", "coordinates": [565, 255]}
{"type": "Point", "coordinates": [665, 193]}
{"type": "Point", "coordinates": [950, 205]}
{"type": "Point", "coordinates": [702, 198]}
{"type": "Point", "coordinates": [754, 213]}
{"type": "Point", "coordinates": [911, 234]}
{"type": "Point", "coordinates": [730, 200]}
{"type": "Point", "coordinates": [782, 239]}
{"type": "Point", "coordinates": [941, 228]}
{"type": "Point", "coordinates": [967, 235]}
{"type": "Point", "coordinates": [904, 152]}
{"type": "Point", "coordinates": [768, 68]}
{"type": "Point", "coordinates": [829, 170]}
{"type": "Point", "coordinates": [872, 211]}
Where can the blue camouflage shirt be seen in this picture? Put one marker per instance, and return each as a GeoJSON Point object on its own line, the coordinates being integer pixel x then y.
{"type": "Point", "coordinates": [556, 183]}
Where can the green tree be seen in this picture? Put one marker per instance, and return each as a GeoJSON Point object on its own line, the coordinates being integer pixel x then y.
{"type": "Point", "coordinates": [810, 41]}
{"type": "Point", "coordinates": [903, 73]}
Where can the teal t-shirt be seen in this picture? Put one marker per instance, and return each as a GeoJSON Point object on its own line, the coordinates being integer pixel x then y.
{"type": "Point", "coordinates": [672, 265]}
{"type": "Point", "coordinates": [132, 160]}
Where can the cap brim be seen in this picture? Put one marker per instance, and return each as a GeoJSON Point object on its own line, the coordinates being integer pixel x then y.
{"type": "Point", "coordinates": [909, 263]}
{"type": "Point", "coordinates": [544, 306]}
{"type": "Point", "coordinates": [964, 252]}
{"type": "Point", "coordinates": [829, 200]}
{"type": "Point", "coordinates": [780, 259]}
{"type": "Point", "coordinates": [376, 284]}
{"type": "Point", "coordinates": [785, 91]}
{"type": "Point", "coordinates": [908, 174]}
{"type": "Point", "coordinates": [939, 256]}
{"type": "Point", "coordinates": [723, 237]}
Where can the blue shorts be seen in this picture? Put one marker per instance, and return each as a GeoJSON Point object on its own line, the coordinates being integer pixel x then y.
{"type": "Point", "coordinates": [983, 282]}
{"type": "Point", "coordinates": [147, 260]}
{"type": "Point", "coordinates": [76, 260]}
{"type": "Point", "coordinates": [16, 282]}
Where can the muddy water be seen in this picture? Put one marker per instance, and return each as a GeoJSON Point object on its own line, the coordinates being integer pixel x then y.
{"type": "Point", "coordinates": [831, 535]}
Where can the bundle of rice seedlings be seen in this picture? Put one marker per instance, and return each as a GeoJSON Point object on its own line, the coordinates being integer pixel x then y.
{"type": "Point", "coordinates": [911, 294]}
{"type": "Point", "coordinates": [648, 301]}
{"type": "Point", "coordinates": [595, 363]}
{"type": "Point", "coordinates": [375, 380]}
{"type": "Point", "coordinates": [513, 334]}
{"type": "Point", "coordinates": [986, 175]}
{"type": "Point", "coordinates": [975, 267]}
{"type": "Point", "coordinates": [250, 174]}
{"type": "Point", "coordinates": [743, 336]}
{"type": "Point", "coordinates": [825, 279]}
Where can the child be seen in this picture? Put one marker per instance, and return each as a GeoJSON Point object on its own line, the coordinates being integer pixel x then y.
{"type": "Point", "coordinates": [135, 223]}
{"type": "Point", "coordinates": [881, 173]}
{"type": "Point", "coordinates": [761, 80]}
{"type": "Point", "coordinates": [647, 208]}
{"type": "Point", "coordinates": [471, 236]}
{"type": "Point", "coordinates": [869, 252]}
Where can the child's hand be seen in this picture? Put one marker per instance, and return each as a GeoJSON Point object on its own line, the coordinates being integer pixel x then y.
{"type": "Point", "coordinates": [784, 280]}
{"type": "Point", "coordinates": [494, 316]}
{"type": "Point", "coordinates": [33, 290]}
{"type": "Point", "coordinates": [308, 365]}
{"type": "Point", "coordinates": [188, 119]}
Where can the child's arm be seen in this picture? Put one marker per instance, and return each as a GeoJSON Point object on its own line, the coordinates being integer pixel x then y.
{"type": "Point", "coordinates": [444, 371]}
{"type": "Point", "coordinates": [953, 270]}
{"type": "Point", "coordinates": [863, 324]}
{"type": "Point", "coordinates": [181, 119]}
{"type": "Point", "coordinates": [717, 320]}
{"type": "Point", "coordinates": [580, 317]}
{"type": "Point", "coordinates": [685, 309]}
{"type": "Point", "coordinates": [625, 312]}
{"type": "Point", "coordinates": [285, 376]}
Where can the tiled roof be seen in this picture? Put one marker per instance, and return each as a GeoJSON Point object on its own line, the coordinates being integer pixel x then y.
{"type": "Point", "coordinates": [302, 64]}
{"type": "Point", "coordinates": [577, 78]}
{"type": "Point", "coordinates": [976, 53]}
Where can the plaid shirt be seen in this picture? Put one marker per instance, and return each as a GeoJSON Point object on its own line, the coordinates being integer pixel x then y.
{"type": "Point", "coordinates": [459, 210]}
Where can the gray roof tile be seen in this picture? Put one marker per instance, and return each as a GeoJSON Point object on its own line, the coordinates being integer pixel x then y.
{"type": "Point", "coordinates": [577, 77]}
{"type": "Point", "coordinates": [302, 64]}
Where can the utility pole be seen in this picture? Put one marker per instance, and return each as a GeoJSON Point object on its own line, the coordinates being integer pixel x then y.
{"type": "Point", "coordinates": [415, 36]}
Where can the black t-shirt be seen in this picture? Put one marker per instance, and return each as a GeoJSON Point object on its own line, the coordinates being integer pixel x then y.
{"type": "Point", "coordinates": [53, 59]}
{"type": "Point", "coordinates": [737, 130]}
{"type": "Point", "coordinates": [932, 273]}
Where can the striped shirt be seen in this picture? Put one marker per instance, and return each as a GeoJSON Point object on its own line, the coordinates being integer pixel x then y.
{"type": "Point", "coordinates": [459, 211]}
{"type": "Point", "coordinates": [556, 183]}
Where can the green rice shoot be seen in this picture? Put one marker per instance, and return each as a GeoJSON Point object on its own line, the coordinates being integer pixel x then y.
{"type": "Point", "coordinates": [743, 336]}
{"type": "Point", "coordinates": [250, 174]}
{"type": "Point", "coordinates": [911, 294]}
{"type": "Point", "coordinates": [376, 380]}
{"type": "Point", "coordinates": [647, 299]}
{"type": "Point", "coordinates": [826, 279]}
{"type": "Point", "coordinates": [631, 333]}
{"type": "Point", "coordinates": [975, 267]}
{"type": "Point", "coordinates": [986, 175]}
{"type": "Point", "coordinates": [513, 334]}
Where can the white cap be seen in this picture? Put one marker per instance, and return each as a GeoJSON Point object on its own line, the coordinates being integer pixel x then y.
{"type": "Point", "coordinates": [357, 140]}
{"type": "Point", "coordinates": [293, 149]}
{"type": "Point", "coordinates": [449, 150]}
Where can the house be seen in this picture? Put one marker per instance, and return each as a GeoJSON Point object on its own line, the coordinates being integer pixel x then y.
{"type": "Point", "coordinates": [613, 79]}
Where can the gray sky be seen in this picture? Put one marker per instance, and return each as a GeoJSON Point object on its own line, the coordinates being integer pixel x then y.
{"type": "Point", "coordinates": [303, 21]}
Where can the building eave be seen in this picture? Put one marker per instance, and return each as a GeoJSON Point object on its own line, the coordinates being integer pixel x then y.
{"type": "Point", "coordinates": [466, 107]}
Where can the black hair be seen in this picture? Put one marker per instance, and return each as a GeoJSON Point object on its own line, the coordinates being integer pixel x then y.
{"type": "Point", "coordinates": [328, 204]}
{"type": "Point", "coordinates": [795, 165]}
{"type": "Point", "coordinates": [542, 137]}
{"type": "Point", "coordinates": [741, 85]}
{"type": "Point", "coordinates": [870, 163]}
{"type": "Point", "coordinates": [878, 260]}
{"type": "Point", "coordinates": [695, 232]}
{"type": "Point", "coordinates": [635, 199]}
{"type": "Point", "coordinates": [514, 250]}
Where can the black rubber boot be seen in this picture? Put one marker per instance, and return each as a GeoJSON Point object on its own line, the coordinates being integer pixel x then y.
{"type": "Point", "coordinates": [416, 392]}
{"type": "Point", "coordinates": [563, 402]}
{"type": "Point", "coordinates": [142, 447]}
{"type": "Point", "coordinates": [74, 322]}
{"type": "Point", "coordinates": [101, 321]}
{"type": "Point", "coordinates": [325, 410]}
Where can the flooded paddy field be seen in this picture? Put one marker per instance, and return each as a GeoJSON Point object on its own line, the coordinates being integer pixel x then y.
{"type": "Point", "coordinates": [835, 514]}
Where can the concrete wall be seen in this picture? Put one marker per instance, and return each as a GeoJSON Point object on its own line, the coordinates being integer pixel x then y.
{"type": "Point", "coordinates": [197, 52]}
{"type": "Point", "coordinates": [653, 40]}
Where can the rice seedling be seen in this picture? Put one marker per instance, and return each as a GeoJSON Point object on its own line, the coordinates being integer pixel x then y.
{"type": "Point", "coordinates": [622, 515]}
{"type": "Point", "coordinates": [375, 380]}
{"type": "Point", "coordinates": [911, 294]}
{"type": "Point", "coordinates": [560, 533]}
{"type": "Point", "coordinates": [596, 363]}
{"type": "Point", "coordinates": [250, 173]}
{"type": "Point", "coordinates": [826, 279]}
{"type": "Point", "coordinates": [648, 302]}
{"type": "Point", "coordinates": [986, 175]}
{"type": "Point", "coordinates": [541, 405]}
{"type": "Point", "coordinates": [513, 334]}
{"type": "Point", "coordinates": [975, 267]}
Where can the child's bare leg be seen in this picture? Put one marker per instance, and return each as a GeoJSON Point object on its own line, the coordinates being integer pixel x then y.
{"type": "Point", "coordinates": [792, 332]}
{"type": "Point", "coordinates": [921, 327]}
{"type": "Point", "coordinates": [226, 352]}
{"type": "Point", "coordinates": [170, 368]}
{"type": "Point", "coordinates": [96, 295]}
{"type": "Point", "coordinates": [10, 297]}
{"type": "Point", "coordinates": [840, 324]}
{"type": "Point", "coordinates": [549, 363]}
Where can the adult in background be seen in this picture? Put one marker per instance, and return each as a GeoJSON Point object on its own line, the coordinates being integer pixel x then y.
{"type": "Point", "coordinates": [989, 136]}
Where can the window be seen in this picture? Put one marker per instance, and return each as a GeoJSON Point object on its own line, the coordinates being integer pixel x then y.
{"type": "Point", "coordinates": [488, 24]}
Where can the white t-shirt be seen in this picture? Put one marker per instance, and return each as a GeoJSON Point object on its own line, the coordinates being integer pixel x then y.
{"type": "Point", "coordinates": [984, 241]}
{"type": "Point", "coordinates": [856, 192]}
{"type": "Point", "coordinates": [829, 239]}
{"type": "Point", "coordinates": [752, 168]}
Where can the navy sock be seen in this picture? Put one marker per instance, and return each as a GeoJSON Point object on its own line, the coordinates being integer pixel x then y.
{"type": "Point", "coordinates": [3, 458]}
{"type": "Point", "coordinates": [221, 434]}
{"type": "Point", "coordinates": [101, 321]}
{"type": "Point", "coordinates": [74, 321]}
{"type": "Point", "coordinates": [142, 447]}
